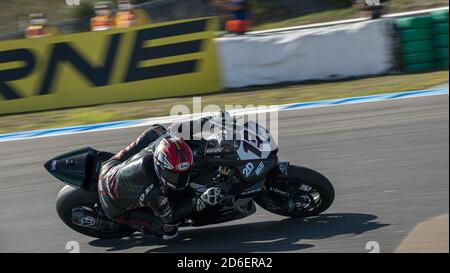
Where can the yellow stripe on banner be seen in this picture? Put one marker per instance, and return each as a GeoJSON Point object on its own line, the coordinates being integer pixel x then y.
{"type": "Point", "coordinates": [168, 60]}
{"type": "Point", "coordinates": [125, 52]}
{"type": "Point", "coordinates": [11, 65]}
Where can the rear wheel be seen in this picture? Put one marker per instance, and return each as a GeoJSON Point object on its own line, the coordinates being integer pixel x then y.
{"type": "Point", "coordinates": [303, 193]}
{"type": "Point", "coordinates": [70, 198]}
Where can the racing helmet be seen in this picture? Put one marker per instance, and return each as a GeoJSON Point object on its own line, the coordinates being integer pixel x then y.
{"type": "Point", "coordinates": [173, 160]}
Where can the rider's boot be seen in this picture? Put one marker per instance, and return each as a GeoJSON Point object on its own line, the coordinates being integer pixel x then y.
{"type": "Point", "coordinates": [143, 220]}
{"type": "Point", "coordinates": [167, 232]}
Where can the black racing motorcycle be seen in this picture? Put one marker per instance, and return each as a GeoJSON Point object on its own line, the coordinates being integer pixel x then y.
{"type": "Point", "coordinates": [242, 161]}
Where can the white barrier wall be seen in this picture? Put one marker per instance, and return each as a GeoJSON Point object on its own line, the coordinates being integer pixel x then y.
{"type": "Point", "coordinates": [334, 52]}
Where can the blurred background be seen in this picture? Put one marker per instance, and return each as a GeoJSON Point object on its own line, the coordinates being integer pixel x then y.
{"type": "Point", "coordinates": [307, 45]}
{"type": "Point", "coordinates": [264, 13]}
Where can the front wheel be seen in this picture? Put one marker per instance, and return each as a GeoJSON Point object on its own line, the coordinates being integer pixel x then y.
{"type": "Point", "coordinates": [303, 193]}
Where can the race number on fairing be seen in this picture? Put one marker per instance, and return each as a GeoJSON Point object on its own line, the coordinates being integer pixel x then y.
{"type": "Point", "coordinates": [255, 142]}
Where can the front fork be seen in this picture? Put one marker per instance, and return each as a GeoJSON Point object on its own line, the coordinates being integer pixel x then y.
{"type": "Point", "coordinates": [279, 172]}
{"type": "Point", "coordinates": [275, 187]}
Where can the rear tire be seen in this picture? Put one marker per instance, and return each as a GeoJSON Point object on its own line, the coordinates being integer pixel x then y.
{"type": "Point", "coordinates": [315, 180]}
{"type": "Point", "coordinates": [69, 198]}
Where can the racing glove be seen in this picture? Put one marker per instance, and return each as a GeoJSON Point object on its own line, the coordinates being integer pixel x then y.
{"type": "Point", "coordinates": [211, 197]}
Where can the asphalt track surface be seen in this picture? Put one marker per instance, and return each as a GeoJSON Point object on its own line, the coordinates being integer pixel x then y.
{"type": "Point", "coordinates": [387, 160]}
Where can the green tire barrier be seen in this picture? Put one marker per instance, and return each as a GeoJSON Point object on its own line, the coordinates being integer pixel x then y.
{"type": "Point", "coordinates": [423, 57]}
{"type": "Point", "coordinates": [423, 41]}
{"type": "Point", "coordinates": [441, 28]}
{"type": "Point", "coordinates": [408, 35]}
{"type": "Point", "coordinates": [441, 53]}
{"type": "Point", "coordinates": [440, 16]}
{"type": "Point", "coordinates": [416, 47]}
{"type": "Point", "coordinates": [413, 22]}
{"type": "Point", "coordinates": [414, 68]}
{"type": "Point", "coordinates": [443, 64]}
{"type": "Point", "coordinates": [441, 40]}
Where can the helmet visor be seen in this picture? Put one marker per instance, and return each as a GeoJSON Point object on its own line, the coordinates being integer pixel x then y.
{"type": "Point", "coordinates": [175, 180]}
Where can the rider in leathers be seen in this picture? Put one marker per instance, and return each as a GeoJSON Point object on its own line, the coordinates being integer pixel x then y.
{"type": "Point", "coordinates": [135, 185]}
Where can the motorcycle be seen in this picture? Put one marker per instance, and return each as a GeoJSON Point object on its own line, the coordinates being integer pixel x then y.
{"type": "Point", "coordinates": [242, 162]}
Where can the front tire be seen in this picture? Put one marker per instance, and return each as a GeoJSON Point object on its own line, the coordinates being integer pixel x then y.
{"type": "Point", "coordinates": [299, 176]}
{"type": "Point", "coordinates": [69, 198]}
